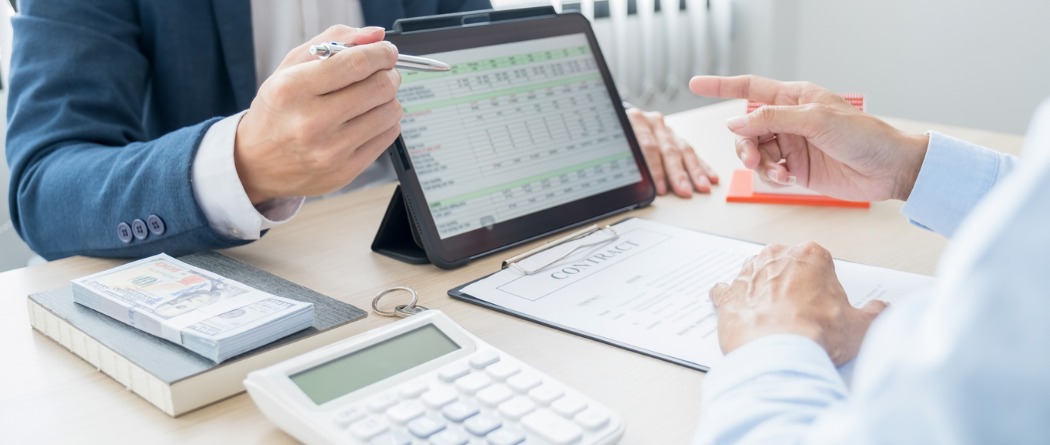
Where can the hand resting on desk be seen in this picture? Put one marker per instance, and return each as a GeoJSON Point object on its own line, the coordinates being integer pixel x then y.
{"type": "Point", "coordinates": [673, 163]}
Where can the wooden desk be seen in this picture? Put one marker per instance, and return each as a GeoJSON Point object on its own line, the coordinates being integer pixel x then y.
{"type": "Point", "coordinates": [48, 395]}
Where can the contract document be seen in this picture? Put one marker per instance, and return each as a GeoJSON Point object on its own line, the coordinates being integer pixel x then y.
{"type": "Point", "coordinates": [644, 285]}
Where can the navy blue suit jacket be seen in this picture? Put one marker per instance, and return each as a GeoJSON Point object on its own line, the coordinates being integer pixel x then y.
{"type": "Point", "coordinates": [109, 100]}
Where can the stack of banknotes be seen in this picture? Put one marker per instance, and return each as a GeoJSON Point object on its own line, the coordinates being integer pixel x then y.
{"type": "Point", "coordinates": [210, 315]}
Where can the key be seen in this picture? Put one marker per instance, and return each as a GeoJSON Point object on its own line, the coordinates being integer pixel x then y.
{"type": "Point", "coordinates": [551, 428]}
{"type": "Point", "coordinates": [482, 425]}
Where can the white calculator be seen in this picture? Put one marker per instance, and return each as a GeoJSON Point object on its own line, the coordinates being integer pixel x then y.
{"type": "Point", "coordinates": [424, 379]}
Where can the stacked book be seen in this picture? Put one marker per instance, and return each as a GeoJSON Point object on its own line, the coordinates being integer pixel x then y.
{"type": "Point", "coordinates": [215, 317]}
{"type": "Point", "coordinates": [167, 375]}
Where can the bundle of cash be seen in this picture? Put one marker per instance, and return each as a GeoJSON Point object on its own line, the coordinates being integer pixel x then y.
{"type": "Point", "coordinates": [210, 315]}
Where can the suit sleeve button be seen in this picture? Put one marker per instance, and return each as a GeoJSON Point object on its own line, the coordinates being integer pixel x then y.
{"type": "Point", "coordinates": [124, 232]}
{"type": "Point", "coordinates": [138, 228]}
{"type": "Point", "coordinates": [155, 224]}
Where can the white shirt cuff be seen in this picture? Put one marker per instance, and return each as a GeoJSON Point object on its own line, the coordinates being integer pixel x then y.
{"type": "Point", "coordinates": [780, 355]}
{"type": "Point", "coordinates": [954, 176]}
{"type": "Point", "coordinates": [219, 191]}
{"type": "Point", "coordinates": [768, 391]}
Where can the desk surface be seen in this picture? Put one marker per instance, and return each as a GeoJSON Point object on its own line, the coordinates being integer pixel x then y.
{"type": "Point", "coordinates": [48, 395]}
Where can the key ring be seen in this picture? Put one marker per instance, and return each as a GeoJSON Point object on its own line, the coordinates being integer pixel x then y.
{"type": "Point", "coordinates": [401, 310]}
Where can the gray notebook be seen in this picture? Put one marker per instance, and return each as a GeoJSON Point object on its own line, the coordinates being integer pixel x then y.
{"type": "Point", "coordinates": [171, 363]}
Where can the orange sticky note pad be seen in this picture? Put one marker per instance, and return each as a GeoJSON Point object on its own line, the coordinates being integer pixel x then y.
{"type": "Point", "coordinates": [741, 189]}
{"type": "Point", "coordinates": [855, 99]}
{"type": "Point", "coordinates": [742, 186]}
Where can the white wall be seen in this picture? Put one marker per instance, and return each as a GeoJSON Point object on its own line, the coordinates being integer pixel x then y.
{"type": "Point", "coordinates": [975, 63]}
{"type": "Point", "coordinates": [13, 252]}
{"type": "Point", "coordinates": [764, 35]}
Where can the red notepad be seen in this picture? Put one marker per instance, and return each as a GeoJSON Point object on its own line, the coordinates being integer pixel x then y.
{"type": "Point", "coordinates": [742, 184]}
{"type": "Point", "coordinates": [741, 189]}
{"type": "Point", "coordinates": [855, 99]}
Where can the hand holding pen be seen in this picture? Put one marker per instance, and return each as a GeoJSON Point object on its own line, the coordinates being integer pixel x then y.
{"type": "Point", "coordinates": [313, 127]}
{"type": "Point", "coordinates": [327, 49]}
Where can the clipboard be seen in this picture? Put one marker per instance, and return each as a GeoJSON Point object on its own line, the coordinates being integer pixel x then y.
{"type": "Point", "coordinates": [460, 294]}
{"type": "Point", "coordinates": [652, 299]}
{"type": "Point", "coordinates": [524, 137]}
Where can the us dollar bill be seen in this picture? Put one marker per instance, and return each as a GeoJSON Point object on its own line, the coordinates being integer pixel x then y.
{"type": "Point", "coordinates": [209, 314]}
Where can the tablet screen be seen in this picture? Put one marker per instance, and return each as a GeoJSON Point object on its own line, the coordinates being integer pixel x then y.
{"type": "Point", "coordinates": [513, 129]}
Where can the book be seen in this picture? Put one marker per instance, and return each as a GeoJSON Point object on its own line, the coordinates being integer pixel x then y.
{"type": "Point", "coordinates": [209, 314]}
{"type": "Point", "coordinates": [168, 376]}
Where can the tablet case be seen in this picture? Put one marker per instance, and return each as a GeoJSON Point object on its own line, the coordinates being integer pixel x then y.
{"type": "Point", "coordinates": [399, 236]}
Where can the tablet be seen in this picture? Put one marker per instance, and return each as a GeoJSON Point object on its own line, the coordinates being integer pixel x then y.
{"type": "Point", "coordinates": [525, 136]}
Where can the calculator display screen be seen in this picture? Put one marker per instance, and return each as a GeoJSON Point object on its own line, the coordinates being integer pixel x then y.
{"type": "Point", "coordinates": [358, 369]}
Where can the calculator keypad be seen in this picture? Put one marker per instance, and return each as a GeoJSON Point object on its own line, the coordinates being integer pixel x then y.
{"type": "Point", "coordinates": [483, 399]}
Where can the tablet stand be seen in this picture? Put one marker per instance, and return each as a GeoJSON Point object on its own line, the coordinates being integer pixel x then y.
{"type": "Point", "coordinates": [398, 237]}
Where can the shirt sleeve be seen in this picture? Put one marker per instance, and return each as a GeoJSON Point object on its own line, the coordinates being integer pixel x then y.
{"type": "Point", "coordinates": [958, 363]}
{"type": "Point", "coordinates": [768, 391]}
{"type": "Point", "coordinates": [955, 175]}
{"type": "Point", "coordinates": [221, 195]}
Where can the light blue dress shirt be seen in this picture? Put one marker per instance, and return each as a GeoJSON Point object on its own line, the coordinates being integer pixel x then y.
{"type": "Point", "coordinates": [966, 362]}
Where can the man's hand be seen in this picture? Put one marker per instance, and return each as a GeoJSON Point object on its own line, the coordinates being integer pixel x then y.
{"type": "Point", "coordinates": [811, 136]}
{"type": "Point", "coordinates": [317, 124]}
{"type": "Point", "coordinates": [791, 291]}
{"type": "Point", "coordinates": [672, 161]}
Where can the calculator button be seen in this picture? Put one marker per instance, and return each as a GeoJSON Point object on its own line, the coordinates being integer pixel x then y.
{"type": "Point", "coordinates": [350, 415]}
{"type": "Point", "coordinates": [516, 408]}
{"type": "Point", "coordinates": [425, 427]}
{"type": "Point", "coordinates": [438, 397]}
{"type": "Point", "coordinates": [524, 382]}
{"type": "Point", "coordinates": [482, 425]}
{"type": "Point", "coordinates": [501, 371]}
{"type": "Point", "coordinates": [473, 383]}
{"type": "Point", "coordinates": [412, 389]}
{"type": "Point", "coordinates": [449, 437]}
{"type": "Point", "coordinates": [546, 394]}
{"type": "Point", "coordinates": [483, 359]}
{"type": "Point", "coordinates": [506, 436]}
{"type": "Point", "coordinates": [494, 395]}
{"type": "Point", "coordinates": [405, 411]}
{"type": "Point", "coordinates": [551, 428]}
{"type": "Point", "coordinates": [592, 419]}
{"type": "Point", "coordinates": [369, 428]}
{"type": "Point", "coordinates": [568, 406]}
{"type": "Point", "coordinates": [454, 371]}
{"type": "Point", "coordinates": [392, 438]}
{"type": "Point", "coordinates": [381, 402]}
{"type": "Point", "coordinates": [459, 411]}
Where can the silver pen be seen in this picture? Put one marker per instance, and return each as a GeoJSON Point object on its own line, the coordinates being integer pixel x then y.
{"type": "Point", "coordinates": [325, 50]}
